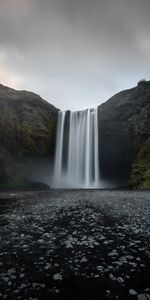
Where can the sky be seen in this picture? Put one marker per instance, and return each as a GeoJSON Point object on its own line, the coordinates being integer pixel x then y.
{"type": "Point", "coordinates": [74, 53]}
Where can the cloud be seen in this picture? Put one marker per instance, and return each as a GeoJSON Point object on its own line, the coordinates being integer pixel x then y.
{"type": "Point", "coordinates": [6, 76]}
{"type": "Point", "coordinates": [75, 53]}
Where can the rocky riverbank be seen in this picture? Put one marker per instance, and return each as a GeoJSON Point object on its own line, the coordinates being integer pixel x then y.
{"type": "Point", "coordinates": [75, 245]}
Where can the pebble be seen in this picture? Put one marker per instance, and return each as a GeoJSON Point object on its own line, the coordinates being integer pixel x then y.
{"type": "Point", "coordinates": [11, 271]}
{"type": "Point", "coordinates": [40, 241]}
{"type": "Point", "coordinates": [108, 292]}
{"type": "Point", "coordinates": [100, 268]}
{"type": "Point", "coordinates": [132, 292]}
{"type": "Point", "coordinates": [147, 290]}
{"type": "Point", "coordinates": [113, 253]}
{"type": "Point", "coordinates": [57, 276]}
{"type": "Point", "coordinates": [47, 267]}
{"type": "Point", "coordinates": [112, 277]}
{"type": "Point", "coordinates": [34, 285]}
{"type": "Point", "coordinates": [42, 285]}
{"type": "Point", "coordinates": [56, 265]}
{"type": "Point", "coordinates": [22, 286]}
{"type": "Point", "coordinates": [120, 279]}
{"type": "Point", "coordinates": [83, 260]}
{"type": "Point", "coordinates": [68, 245]}
{"type": "Point", "coordinates": [142, 297]}
{"type": "Point", "coordinates": [16, 291]}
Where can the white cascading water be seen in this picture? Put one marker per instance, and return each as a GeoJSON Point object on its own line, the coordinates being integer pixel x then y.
{"type": "Point", "coordinates": [81, 168]}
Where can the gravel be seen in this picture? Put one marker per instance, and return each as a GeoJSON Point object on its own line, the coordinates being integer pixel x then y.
{"type": "Point", "coordinates": [75, 244]}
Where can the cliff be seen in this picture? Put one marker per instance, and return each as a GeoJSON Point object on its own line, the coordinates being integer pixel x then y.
{"type": "Point", "coordinates": [28, 134]}
{"type": "Point", "coordinates": [27, 130]}
{"type": "Point", "coordinates": [124, 122]}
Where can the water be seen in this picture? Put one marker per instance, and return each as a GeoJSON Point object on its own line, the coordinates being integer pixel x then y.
{"type": "Point", "coordinates": [77, 159]}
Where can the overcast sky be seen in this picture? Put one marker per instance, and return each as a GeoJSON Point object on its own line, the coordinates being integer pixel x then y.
{"type": "Point", "coordinates": [74, 53]}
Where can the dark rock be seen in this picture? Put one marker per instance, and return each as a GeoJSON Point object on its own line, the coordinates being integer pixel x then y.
{"type": "Point", "coordinates": [39, 185]}
{"type": "Point", "coordinates": [27, 130]}
{"type": "Point", "coordinates": [124, 122]}
{"type": "Point", "coordinates": [28, 135]}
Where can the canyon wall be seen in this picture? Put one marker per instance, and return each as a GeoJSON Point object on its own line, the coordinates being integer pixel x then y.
{"type": "Point", "coordinates": [28, 135]}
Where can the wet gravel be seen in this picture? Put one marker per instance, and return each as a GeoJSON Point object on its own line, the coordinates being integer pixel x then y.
{"type": "Point", "coordinates": [75, 244]}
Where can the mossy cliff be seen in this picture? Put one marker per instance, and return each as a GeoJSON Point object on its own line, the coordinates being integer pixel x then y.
{"type": "Point", "coordinates": [27, 130]}
{"type": "Point", "coordinates": [140, 176]}
{"type": "Point", "coordinates": [140, 129]}
{"type": "Point", "coordinates": [125, 136]}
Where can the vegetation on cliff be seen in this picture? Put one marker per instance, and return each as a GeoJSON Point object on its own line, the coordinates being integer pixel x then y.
{"type": "Point", "coordinates": [27, 129]}
{"type": "Point", "coordinates": [125, 136]}
{"type": "Point", "coordinates": [140, 128]}
{"type": "Point", "coordinates": [140, 175]}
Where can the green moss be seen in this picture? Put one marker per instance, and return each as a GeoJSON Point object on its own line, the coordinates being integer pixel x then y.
{"type": "Point", "coordinates": [51, 128]}
{"type": "Point", "coordinates": [28, 143]}
{"type": "Point", "coordinates": [34, 138]}
{"type": "Point", "coordinates": [145, 150]}
{"type": "Point", "coordinates": [140, 175]}
{"type": "Point", "coordinates": [146, 179]}
{"type": "Point", "coordinates": [6, 119]}
{"type": "Point", "coordinates": [50, 135]}
{"type": "Point", "coordinates": [14, 183]}
{"type": "Point", "coordinates": [10, 131]}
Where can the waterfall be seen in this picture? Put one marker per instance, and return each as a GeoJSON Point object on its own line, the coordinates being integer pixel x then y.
{"type": "Point", "coordinates": [59, 147]}
{"type": "Point", "coordinates": [81, 167]}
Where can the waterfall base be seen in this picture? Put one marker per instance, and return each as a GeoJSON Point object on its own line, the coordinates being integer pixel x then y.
{"type": "Point", "coordinates": [65, 183]}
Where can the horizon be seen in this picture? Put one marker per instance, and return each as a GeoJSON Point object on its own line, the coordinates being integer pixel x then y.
{"type": "Point", "coordinates": [68, 109]}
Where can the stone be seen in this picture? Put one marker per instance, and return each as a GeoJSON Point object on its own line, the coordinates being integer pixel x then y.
{"type": "Point", "coordinates": [57, 276]}
{"type": "Point", "coordinates": [132, 292]}
{"type": "Point", "coordinates": [120, 279]}
{"type": "Point", "coordinates": [83, 260]}
{"type": "Point", "coordinates": [142, 297]}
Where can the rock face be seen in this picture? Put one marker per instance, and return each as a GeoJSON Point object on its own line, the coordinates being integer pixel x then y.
{"type": "Point", "coordinates": [124, 131]}
{"type": "Point", "coordinates": [27, 130]}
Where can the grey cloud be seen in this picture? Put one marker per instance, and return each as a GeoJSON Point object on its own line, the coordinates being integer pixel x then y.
{"type": "Point", "coordinates": [75, 53]}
